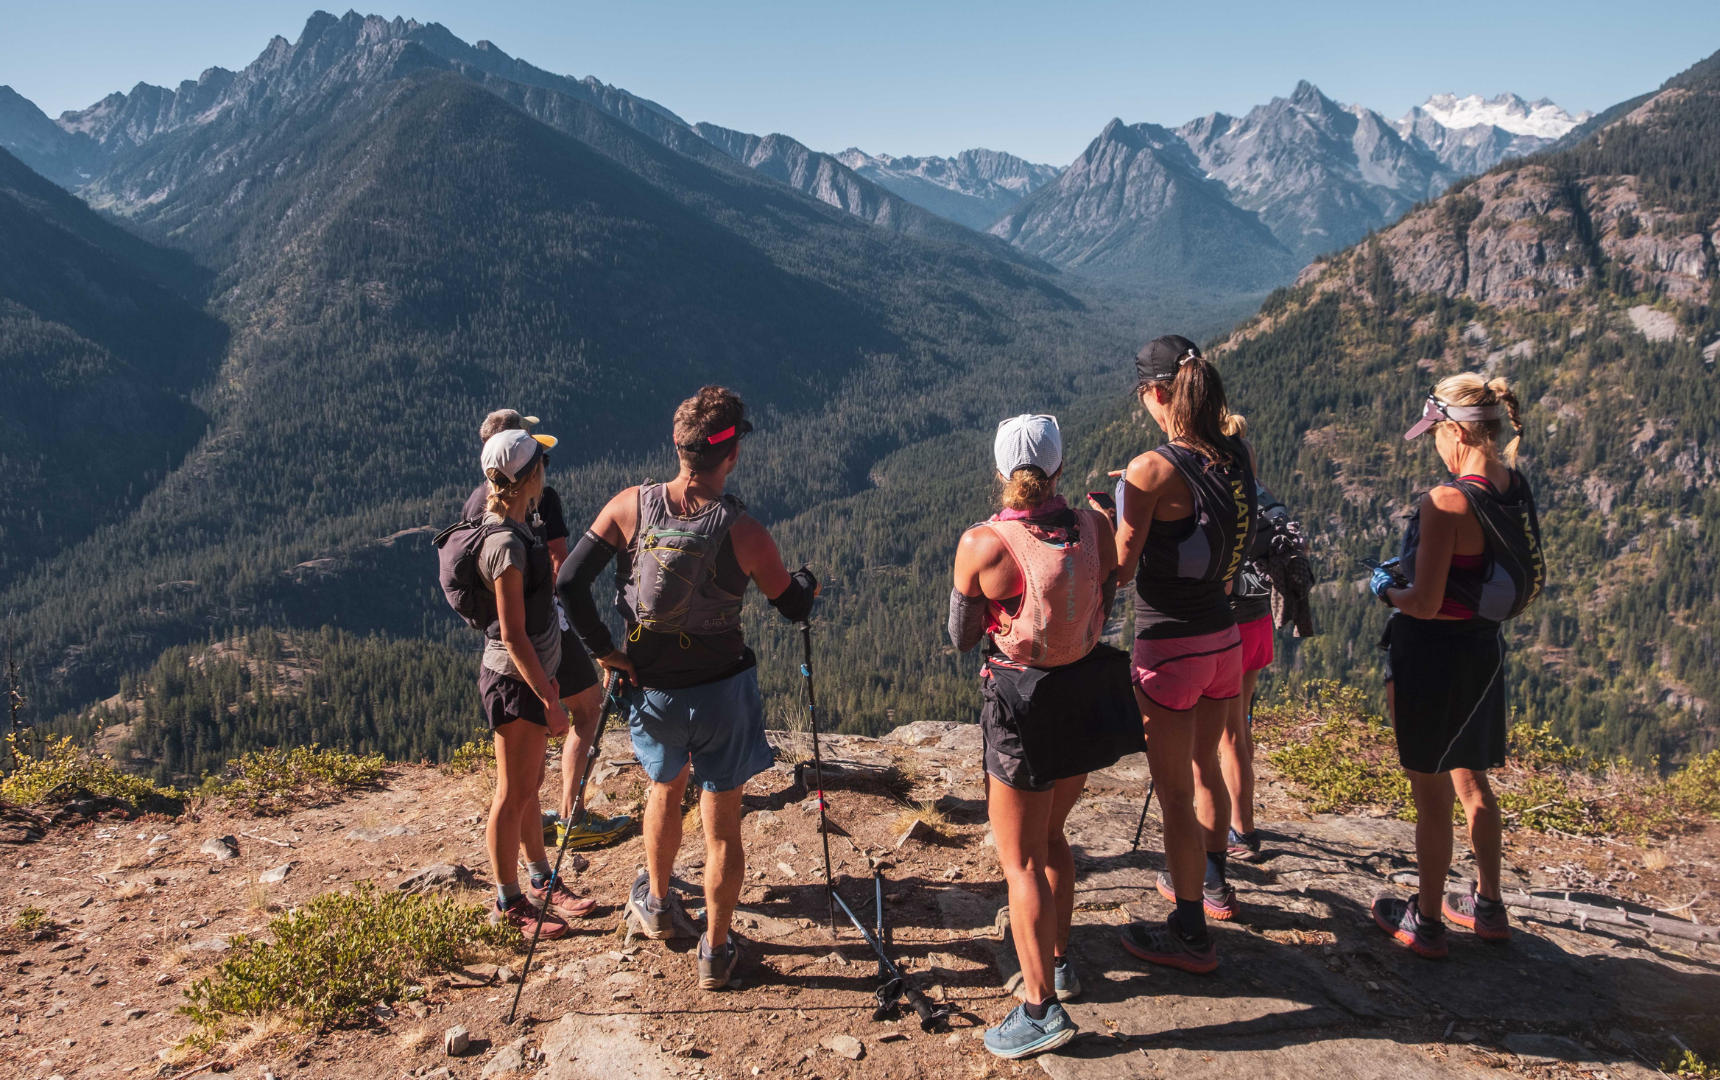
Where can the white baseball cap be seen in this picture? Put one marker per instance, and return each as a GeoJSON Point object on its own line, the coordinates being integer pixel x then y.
{"type": "Point", "coordinates": [1028, 439]}
{"type": "Point", "coordinates": [512, 453]}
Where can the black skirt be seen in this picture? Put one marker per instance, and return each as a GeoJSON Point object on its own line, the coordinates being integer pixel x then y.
{"type": "Point", "coordinates": [1042, 725]}
{"type": "Point", "coordinates": [1448, 681]}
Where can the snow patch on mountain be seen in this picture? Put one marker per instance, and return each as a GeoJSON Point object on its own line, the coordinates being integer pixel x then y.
{"type": "Point", "coordinates": [1541, 119]}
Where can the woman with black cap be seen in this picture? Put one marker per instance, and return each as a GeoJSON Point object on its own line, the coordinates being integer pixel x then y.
{"type": "Point", "coordinates": [1186, 522]}
{"type": "Point", "coordinates": [1036, 583]}
{"type": "Point", "coordinates": [1471, 559]}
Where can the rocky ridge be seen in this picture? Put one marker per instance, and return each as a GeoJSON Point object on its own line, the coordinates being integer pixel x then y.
{"type": "Point", "coordinates": [975, 187]}
{"type": "Point", "coordinates": [141, 908]}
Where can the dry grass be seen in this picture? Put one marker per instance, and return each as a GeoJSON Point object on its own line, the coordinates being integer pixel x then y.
{"type": "Point", "coordinates": [257, 900]}
{"type": "Point", "coordinates": [130, 891]}
{"type": "Point", "coordinates": [262, 1033]}
{"type": "Point", "coordinates": [416, 1039]}
{"type": "Point", "coordinates": [1654, 859]}
{"type": "Point", "coordinates": [934, 818]}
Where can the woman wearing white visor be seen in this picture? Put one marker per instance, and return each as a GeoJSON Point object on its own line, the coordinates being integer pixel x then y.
{"type": "Point", "coordinates": [1471, 559]}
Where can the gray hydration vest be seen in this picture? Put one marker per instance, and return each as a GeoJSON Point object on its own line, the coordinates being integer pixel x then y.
{"type": "Point", "coordinates": [672, 588]}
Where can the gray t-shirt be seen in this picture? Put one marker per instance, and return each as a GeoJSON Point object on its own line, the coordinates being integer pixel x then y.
{"type": "Point", "coordinates": [501, 550]}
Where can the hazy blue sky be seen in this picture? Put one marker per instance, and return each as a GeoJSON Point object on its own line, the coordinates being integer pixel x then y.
{"type": "Point", "coordinates": [1036, 79]}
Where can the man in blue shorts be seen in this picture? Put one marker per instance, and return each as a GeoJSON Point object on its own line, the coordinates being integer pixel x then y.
{"type": "Point", "coordinates": [686, 552]}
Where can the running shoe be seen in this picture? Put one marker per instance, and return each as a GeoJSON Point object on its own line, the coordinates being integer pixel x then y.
{"type": "Point", "coordinates": [1065, 982]}
{"type": "Point", "coordinates": [592, 830]}
{"type": "Point", "coordinates": [717, 966]}
{"type": "Point", "coordinates": [1164, 945]}
{"type": "Point", "coordinates": [1244, 847]}
{"type": "Point", "coordinates": [1020, 1035]}
{"type": "Point", "coordinates": [562, 903]}
{"type": "Point", "coordinates": [1402, 919]}
{"type": "Point", "coordinates": [657, 925]}
{"type": "Point", "coordinates": [1218, 900]}
{"type": "Point", "coordinates": [523, 916]}
{"type": "Point", "coordinates": [1465, 909]}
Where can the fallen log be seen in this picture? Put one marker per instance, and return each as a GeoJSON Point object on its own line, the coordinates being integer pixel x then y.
{"type": "Point", "coordinates": [1594, 913]}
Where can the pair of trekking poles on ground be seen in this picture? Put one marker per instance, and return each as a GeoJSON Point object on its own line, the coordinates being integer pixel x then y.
{"type": "Point", "coordinates": [893, 984]}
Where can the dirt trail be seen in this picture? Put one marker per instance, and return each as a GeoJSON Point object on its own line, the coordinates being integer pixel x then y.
{"type": "Point", "coordinates": [1306, 987]}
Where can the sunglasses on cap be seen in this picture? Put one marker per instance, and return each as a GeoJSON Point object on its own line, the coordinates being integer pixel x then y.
{"type": "Point", "coordinates": [1434, 410]}
{"type": "Point", "coordinates": [711, 442]}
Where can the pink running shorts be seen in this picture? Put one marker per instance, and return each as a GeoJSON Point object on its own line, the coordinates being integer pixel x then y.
{"type": "Point", "coordinates": [1177, 672]}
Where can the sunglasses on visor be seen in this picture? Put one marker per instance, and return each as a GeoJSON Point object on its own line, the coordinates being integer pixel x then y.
{"type": "Point", "coordinates": [1434, 410]}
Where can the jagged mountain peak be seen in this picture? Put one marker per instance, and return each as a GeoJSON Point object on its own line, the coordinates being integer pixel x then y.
{"type": "Point", "coordinates": [1541, 118]}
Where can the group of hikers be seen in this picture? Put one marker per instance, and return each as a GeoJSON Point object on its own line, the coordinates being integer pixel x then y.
{"type": "Point", "coordinates": [1212, 552]}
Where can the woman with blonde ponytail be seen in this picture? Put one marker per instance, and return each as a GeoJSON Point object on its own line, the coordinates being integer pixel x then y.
{"type": "Point", "coordinates": [1471, 559]}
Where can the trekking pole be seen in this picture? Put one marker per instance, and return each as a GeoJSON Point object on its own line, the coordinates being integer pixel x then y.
{"type": "Point", "coordinates": [561, 848]}
{"type": "Point", "coordinates": [818, 770]}
{"type": "Point", "coordinates": [1145, 803]}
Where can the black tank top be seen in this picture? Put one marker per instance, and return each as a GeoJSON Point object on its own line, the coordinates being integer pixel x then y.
{"type": "Point", "coordinates": [1179, 587]}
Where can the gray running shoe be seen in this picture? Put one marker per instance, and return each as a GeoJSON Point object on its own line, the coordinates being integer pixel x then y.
{"type": "Point", "coordinates": [1022, 1036]}
{"type": "Point", "coordinates": [1068, 984]}
{"type": "Point", "coordinates": [657, 925]}
{"type": "Point", "coordinates": [717, 966]}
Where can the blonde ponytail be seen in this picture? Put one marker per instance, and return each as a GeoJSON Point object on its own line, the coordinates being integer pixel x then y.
{"type": "Point", "coordinates": [1027, 487]}
{"type": "Point", "coordinates": [1235, 425]}
{"type": "Point", "coordinates": [1468, 388]}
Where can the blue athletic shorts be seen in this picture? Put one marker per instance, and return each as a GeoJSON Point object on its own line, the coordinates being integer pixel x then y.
{"type": "Point", "coordinates": [718, 726]}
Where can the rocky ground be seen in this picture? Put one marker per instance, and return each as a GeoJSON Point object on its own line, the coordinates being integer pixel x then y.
{"type": "Point", "coordinates": [1306, 988]}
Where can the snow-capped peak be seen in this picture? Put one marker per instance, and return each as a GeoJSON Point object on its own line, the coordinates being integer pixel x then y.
{"type": "Point", "coordinates": [1542, 118]}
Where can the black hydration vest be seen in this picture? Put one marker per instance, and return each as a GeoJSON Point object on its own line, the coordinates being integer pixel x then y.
{"type": "Point", "coordinates": [1513, 570]}
{"type": "Point", "coordinates": [1179, 587]}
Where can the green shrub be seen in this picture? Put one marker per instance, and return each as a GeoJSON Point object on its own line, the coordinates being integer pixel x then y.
{"type": "Point", "coordinates": [272, 781]}
{"type": "Point", "coordinates": [32, 919]}
{"type": "Point", "coordinates": [340, 954]}
{"type": "Point", "coordinates": [1342, 756]}
{"type": "Point", "coordinates": [470, 757]}
{"type": "Point", "coordinates": [63, 767]}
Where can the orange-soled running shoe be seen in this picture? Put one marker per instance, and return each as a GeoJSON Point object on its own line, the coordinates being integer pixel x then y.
{"type": "Point", "coordinates": [522, 915]}
{"type": "Point", "coordinates": [1218, 900]}
{"type": "Point", "coordinates": [1402, 919]}
{"type": "Point", "coordinates": [1165, 945]}
{"type": "Point", "coordinates": [1486, 917]}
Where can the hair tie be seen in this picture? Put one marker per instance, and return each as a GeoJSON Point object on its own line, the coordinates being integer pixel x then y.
{"type": "Point", "coordinates": [1192, 355]}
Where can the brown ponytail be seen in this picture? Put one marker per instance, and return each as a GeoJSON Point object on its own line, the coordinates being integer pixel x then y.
{"type": "Point", "coordinates": [1197, 408]}
{"type": "Point", "coordinates": [1027, 487]}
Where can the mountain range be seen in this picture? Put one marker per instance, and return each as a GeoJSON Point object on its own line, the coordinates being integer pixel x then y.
{"type": "Point", "coordinates": [1317, 174]}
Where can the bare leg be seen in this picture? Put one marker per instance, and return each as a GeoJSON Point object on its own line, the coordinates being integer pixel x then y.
{"type": "Point", "coordinates": [1211, 797]}
{"type": "Point", "coordinates": [1434, 799]}
{"type": "Point", "coordinates": [513, 823]}
{"type": "Point", "coordinates": [1485, 827]}
{"type": "Point", "coordinates": [1236, 756]}
{"type": "Point", "coordinates": [663, 830]}
{"type": "Point", "coordinates": [1020, 820]}
{"type": "Point", "coordinates": [1170, 756]}
{"type": "Point", "coordinates": [582, 713]}
{"type": "Point", "coordinates": [1059, 859]}
{"type": "Point", "coordinates": [725, 860]}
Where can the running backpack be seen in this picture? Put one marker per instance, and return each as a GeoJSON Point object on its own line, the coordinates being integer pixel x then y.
{"type": "Point", "coordinates": [1514, 570]}
{"type": "Point", "coordinates": [1226, 505]}
{"type": "Point", "coordinates": [1062, 613]}
{"type": "Point", "coordinates": [672, 587]}
{"type": "Point", "coordinates": [457, 549]}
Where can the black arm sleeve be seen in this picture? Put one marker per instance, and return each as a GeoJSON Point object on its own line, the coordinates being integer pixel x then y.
{"type": "Point", "coordinates": [795, 603]}
{"type": "Point", "coordinates": [967, 620]}
{"type": "Point", "coordinates": [573, 586]}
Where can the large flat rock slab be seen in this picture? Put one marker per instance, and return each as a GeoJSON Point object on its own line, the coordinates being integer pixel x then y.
{"type": "Point", "coordinates": [1280, 1059]}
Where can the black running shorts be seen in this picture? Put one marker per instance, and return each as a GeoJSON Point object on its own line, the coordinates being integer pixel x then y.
{"type": "Point", "coordinates": [507, 699]}
{"type": "Point", "coordinates": [1448, 679]}
{"type": "Point", "coordinates": [1041, 725]}
{"type": "Point", "coordinates": [577, 672]}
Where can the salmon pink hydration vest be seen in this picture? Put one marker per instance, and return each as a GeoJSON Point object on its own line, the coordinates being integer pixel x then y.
{"type": "Point", "coordinates": [1061, 617]}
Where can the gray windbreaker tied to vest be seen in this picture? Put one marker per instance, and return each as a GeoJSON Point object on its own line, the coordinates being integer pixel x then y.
{"type": "Point", "coordinates": [672, 588]}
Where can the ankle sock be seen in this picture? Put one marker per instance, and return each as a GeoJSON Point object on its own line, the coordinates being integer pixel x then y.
{"type": "Point", "coordinates": [1037, 1012]}
{"type": "Point", "coordinates": [706, 949]}
{"type": "Point", "coordinates": [538, 871]}
{"type": "Point", "coordinates": [507, 893]}
{"type": "Point", "coordinates": [1484, 906]}
{"type": "Point", "coordinates": [1215, 868]}
{"type": "Point", "coordinates": [1190, 919]}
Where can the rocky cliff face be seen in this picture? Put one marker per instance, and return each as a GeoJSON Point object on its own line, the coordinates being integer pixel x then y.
{"type": "Point", "coordinates": [1320, 175]}
{"type": "Point", "coordinates": [1135, 206]}
{"type": "Point", "coordinates": [975, 187]}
